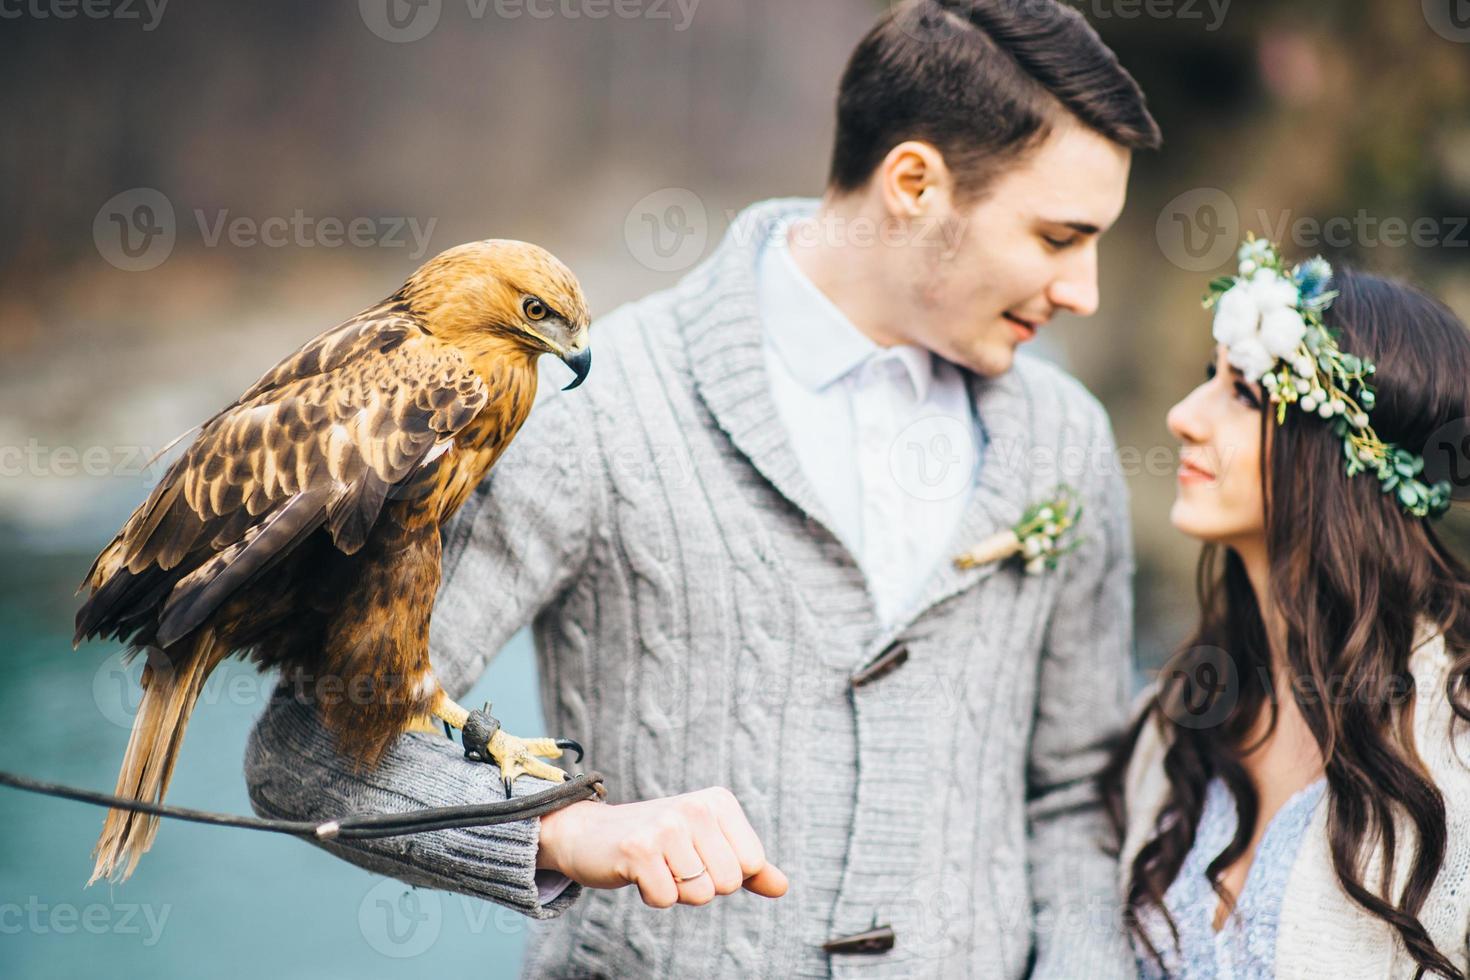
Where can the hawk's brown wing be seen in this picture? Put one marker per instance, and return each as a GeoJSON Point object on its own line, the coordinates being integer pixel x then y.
{"type": "Point", "coordinates": [321, 439]}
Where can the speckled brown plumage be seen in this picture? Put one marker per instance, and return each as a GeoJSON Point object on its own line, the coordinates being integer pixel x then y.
{"type": "Point", "coordinates": [301, 526]}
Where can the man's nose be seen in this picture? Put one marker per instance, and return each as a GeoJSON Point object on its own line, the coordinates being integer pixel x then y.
{"type": "Point", "coordinates": [1077, 292]}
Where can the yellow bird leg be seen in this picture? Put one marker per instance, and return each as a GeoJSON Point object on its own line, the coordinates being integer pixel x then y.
{"type": "Point", "coordinates": [425, 723]}
{"type": "Point", "coordinates": [448, 712]}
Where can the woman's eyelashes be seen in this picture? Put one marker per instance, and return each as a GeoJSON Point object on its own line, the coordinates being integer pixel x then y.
{"type": "Point", "coordinates": [1243, 391]}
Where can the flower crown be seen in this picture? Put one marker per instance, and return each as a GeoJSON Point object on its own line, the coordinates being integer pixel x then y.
{"type": "Point", "coordinates": [1269, 318]}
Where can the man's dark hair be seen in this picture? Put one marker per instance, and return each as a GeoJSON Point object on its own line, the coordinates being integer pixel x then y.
{"type": "Point", "coordinates": [983, 81]}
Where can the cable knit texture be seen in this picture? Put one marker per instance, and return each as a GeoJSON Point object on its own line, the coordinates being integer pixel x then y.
{"type": "Point", "coordinates": [1319, 931]}
{"type": "Point", "coordinates": [697, 623]}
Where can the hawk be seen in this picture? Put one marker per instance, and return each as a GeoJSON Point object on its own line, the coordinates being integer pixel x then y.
{"type": "Point", "coordinates": [301, 527]}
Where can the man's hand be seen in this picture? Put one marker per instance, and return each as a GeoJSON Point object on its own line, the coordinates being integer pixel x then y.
{"type": "Point", "coordinates": [651, 844]}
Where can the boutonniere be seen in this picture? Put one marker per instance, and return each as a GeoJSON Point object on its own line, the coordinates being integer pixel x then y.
{"type": "Point", "coordinates": [1037, 538]}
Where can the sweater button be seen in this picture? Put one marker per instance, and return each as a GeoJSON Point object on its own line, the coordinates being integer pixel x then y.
{"type": "Point", "coordinates": [882, 665]}
{"type": "Point", "coordinates": [878, 939]}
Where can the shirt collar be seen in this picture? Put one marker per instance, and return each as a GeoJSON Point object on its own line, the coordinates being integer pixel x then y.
{"type": "Point", "coordinates": [814, 339]}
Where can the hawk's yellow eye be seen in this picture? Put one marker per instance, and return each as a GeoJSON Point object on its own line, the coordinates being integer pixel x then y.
{"type": "Point", "coordinates": [535, 309]}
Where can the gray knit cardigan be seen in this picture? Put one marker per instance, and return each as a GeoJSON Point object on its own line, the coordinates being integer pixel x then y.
{"type": "Point", "coordinates": [697, 623]}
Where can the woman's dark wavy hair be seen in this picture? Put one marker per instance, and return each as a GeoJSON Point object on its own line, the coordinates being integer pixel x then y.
{"type": "Point", "coordinates": [1351, 573]}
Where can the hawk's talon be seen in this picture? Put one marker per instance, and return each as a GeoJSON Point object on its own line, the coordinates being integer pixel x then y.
{"type": "Point", "coordinates": [571, 743]}
{"type": "Point", "coordinates": [518, 757]}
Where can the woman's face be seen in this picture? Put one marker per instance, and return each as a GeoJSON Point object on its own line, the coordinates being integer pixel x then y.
{"type": "Point", "coordinates": [1218, 426]}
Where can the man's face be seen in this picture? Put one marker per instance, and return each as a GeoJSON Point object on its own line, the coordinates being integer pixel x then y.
{"type": "Point", "coordinates": [1011, 261]}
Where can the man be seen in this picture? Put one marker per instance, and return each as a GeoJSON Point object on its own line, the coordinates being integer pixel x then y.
{"type": "Point", "coordinates": [735, 545]}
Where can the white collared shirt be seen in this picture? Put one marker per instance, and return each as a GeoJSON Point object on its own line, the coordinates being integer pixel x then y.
{"type": "Point", "coordinates": [887, 436]}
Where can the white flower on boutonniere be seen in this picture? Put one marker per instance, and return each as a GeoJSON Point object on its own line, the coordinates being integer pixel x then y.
{"type": "Point", "coordinates": [1036, 538]}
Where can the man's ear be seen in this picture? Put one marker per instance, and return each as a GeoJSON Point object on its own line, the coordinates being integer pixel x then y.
{"type": "Point", "coordinates": [914, 180]}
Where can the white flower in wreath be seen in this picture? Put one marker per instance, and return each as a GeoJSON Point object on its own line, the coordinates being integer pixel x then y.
{"type": "Point", "coordinates": [1258, 322]}
{"type": "Point", "coordinates": [1272, 292]}
{"type": "Point", "coordinates": [1236, 317]}
{"type": "Point", "coordinates": [1256, 250]}
{"type": "Point", "coordinates": [1252, 357]}
{"type": "Point", "coordinates": [1282, 332]}
{"type": "Point", "coordinates": [1253, 254]}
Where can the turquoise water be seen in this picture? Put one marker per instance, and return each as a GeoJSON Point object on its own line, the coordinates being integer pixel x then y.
{"type": "Point", "coordinates": [205, 901]}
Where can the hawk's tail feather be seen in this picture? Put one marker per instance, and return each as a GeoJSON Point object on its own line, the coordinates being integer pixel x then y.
{"type": "Point", "coordinates": [169, 694]}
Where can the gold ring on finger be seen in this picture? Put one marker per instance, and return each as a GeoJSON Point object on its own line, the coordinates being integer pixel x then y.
{"type": "Point", "coordinates": [683, 878]}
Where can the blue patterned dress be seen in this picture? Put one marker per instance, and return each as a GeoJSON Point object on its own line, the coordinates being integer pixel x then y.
{"type": "Point", "coordinates": [1245, 946]}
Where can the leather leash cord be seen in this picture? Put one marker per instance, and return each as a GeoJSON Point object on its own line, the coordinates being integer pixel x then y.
{"type": "Point", "coordinates": [362, 826]}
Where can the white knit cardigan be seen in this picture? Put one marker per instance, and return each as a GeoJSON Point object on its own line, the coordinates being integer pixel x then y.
{"type": "Point", "coordinates": [1323, 932]}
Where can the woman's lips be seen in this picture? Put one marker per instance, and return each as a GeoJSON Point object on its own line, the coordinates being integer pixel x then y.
{"type": "Point", "coordinates": [1190, 473]}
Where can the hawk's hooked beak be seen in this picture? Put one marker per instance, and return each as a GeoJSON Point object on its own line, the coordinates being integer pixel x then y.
{"type": "Point", "coordinates": [581, 363]}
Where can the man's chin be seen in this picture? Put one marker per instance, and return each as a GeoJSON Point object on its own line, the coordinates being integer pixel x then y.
{"type": "Point", "coordinates": [991, 361]}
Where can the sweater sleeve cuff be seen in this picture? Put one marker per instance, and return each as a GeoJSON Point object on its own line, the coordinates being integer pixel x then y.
{"type": "Point", "coordinates": [294, 772]}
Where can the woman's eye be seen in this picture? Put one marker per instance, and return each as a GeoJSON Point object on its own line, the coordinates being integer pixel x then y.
{"type": "Point", "coordinates": [1244, 393]}
{"type": "Point", "coordinates": [1059, 243]}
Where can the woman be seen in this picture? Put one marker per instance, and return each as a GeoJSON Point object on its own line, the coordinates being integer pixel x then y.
{"type": "Point", "coordinates": [1294, 798]}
